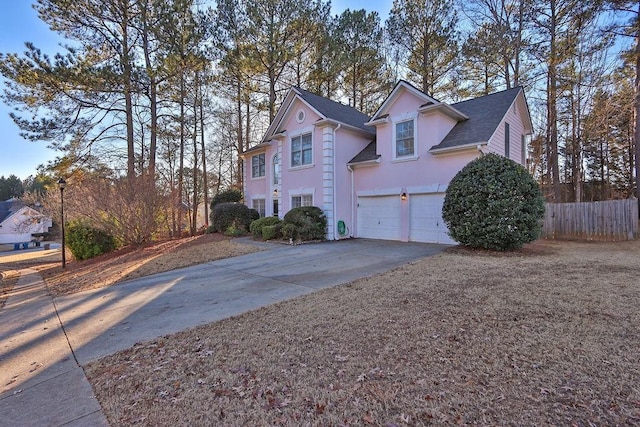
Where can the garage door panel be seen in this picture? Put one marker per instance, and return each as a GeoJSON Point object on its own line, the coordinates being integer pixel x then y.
{"type": "Point", "coordinates": [426, 223]}
{"type": "Point", "coordinates": [379, 217]}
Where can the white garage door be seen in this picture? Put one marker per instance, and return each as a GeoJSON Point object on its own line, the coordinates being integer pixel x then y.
{"type": "Point", "coordinates": [425, 219]}
{"type": "Point", "coordinates": [379, 217]}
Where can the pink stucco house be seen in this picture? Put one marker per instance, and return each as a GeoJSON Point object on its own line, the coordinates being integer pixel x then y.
{"type": "Point", "coordinates": [380, 177]}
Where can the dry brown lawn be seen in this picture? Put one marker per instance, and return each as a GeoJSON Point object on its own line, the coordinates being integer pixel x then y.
{"type": "Point", "coordinates": [546, 336]}
{"type": "Point", "coordinates": [127, 263]}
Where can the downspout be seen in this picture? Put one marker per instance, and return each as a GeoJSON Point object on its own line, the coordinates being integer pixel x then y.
{"type": "Point", "coordinates": [335, 210]}
{"type": "Point", "coordinates": [352, 210]}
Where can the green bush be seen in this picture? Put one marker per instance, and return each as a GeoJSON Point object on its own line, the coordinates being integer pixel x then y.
{"type": "Point", "coordinates": [493, 203]}
{"type": "Point", "coordinates": [270, 232]}
{"type": "Point", "coordinates": [234, 231]}
{"type": "Point", "coordinates": [289, 231]}
{"type": "Point", "coordinates": [256, 226]}
{"type": "Point", "coordinates": [86, 242]}
{"type": "Point", "coordinates": [254, 214]}
{"type": "Point", "coordinates": [226, 215]}
{"type": "Point", "coordinates": [227, 196]}
{"type": "Point", "coordinates": [309, 221]}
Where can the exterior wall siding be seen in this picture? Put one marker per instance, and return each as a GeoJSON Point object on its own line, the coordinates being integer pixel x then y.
{"type": "Point", "coordinates": [18, 227]}
{"type": "Point", "coordinates": [516, 130]}
{"type": "Point", "coordinates": [335, 187]}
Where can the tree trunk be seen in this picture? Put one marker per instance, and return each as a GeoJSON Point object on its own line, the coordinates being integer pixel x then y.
{"type": "Point", "coordinates": [205, 180]}
{"type": "Point", "coordinates": [194, 171]}
{"type": "Point", "coordinates": [518, 46]}
{"type": "Point", "coordinates": [127, 75]}
{"type": "Point", "coordinates": [552, 108]}
{"type": "Point", "coordinates": [153, 88]}
{"type": "Point", "coordinates": [240, 144]}
{"type": "Point", "coordinates": [181, 154]}
{"type": "Point", "coordinates": [636, 109]}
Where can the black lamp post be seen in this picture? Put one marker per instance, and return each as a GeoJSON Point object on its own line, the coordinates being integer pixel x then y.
{"type": "Point", "coordinates": [62, 183]}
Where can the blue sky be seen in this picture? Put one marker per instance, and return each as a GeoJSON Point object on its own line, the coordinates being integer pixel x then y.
{"type": "Point", "coordinates": [19, 23]}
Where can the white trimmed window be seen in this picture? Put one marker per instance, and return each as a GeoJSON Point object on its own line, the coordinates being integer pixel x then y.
{"type": "Point", "coordinates": [405, 139]}
{"type": "Point", "coordinates": [301, 200]}
{"type": "Point", "coordinates": [259, 205]}
{"type": "Point", "coordinates": [301, 150]}
{"type": "Point", "coordinates": [276, 169]}
{"type": "Point", "coordinates": [257, 166]}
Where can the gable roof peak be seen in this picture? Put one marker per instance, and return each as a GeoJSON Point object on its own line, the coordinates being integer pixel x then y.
{"type": "Point", "coordinates": [403, 85]}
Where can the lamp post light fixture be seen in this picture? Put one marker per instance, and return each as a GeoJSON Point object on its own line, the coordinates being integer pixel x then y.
{"type": "Point", "coordinates": [61, 184]}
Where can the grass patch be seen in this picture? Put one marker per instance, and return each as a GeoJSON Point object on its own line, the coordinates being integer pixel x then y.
{"type": "Point", "coordinates": [548, 335]}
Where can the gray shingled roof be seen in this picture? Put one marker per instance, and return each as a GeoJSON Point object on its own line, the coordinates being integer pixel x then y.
{"type": "Point", "coordinates": [336, 111]}
{"type": "Point", "coordinates": [485, 114]}
{"type": "Point", "coordinates": [366, 155]}
{"type": "Point", "coordinates": [257, 147]}
{"type": "Point", "coordinates": [9, 207]}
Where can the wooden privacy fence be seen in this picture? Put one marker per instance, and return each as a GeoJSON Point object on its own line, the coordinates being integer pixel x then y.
{"type": "Point", "coordinates": [607, 220]}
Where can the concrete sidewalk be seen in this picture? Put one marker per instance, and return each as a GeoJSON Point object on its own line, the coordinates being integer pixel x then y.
{"type": "Point", "coordinates": [41, 384]}
{"type": "Point", "coordinates": [44, 342]}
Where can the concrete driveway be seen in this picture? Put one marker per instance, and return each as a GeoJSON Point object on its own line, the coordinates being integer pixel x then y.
{"type": "Point", "coordinates": [104, 321]}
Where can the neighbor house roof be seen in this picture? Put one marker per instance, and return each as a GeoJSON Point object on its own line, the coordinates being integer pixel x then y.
{"type": "Point", "coordinates": [335, 110]}
{"type": "Point", "coordinates": [367, 155]}
{"type": "Point", "coordinates": [485, 114]}
{"type": "Point", "coordinates": [8, 208]}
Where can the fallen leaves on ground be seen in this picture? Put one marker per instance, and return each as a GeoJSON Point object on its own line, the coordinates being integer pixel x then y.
{"type": "Point", "coordinates": [547, 337]}
{"type": "Point", "coordinates": [131, 262]}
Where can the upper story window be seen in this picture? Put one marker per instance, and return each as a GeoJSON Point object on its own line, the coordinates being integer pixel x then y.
{"type": "Point", "coordinates": [301, 150]}
{"type": "Point", "coordinates": [276, 168]}
{"type": "Point", "coordinates": [257, 166]}
{"type": "Point", "coordinates": [405, 140]}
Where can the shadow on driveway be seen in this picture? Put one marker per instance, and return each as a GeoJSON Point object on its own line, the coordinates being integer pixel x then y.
{"type": "Point", "coordinates": [104, 321]}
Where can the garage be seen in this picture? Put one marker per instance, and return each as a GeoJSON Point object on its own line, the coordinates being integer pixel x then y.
{"type": "Point", "coordinates": [379, 217]}
{"type": "Point", "coordinates": [425, 219]}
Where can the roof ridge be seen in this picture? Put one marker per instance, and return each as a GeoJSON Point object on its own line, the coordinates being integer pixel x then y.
{"type": "Point", "coordinates": [519, 87]}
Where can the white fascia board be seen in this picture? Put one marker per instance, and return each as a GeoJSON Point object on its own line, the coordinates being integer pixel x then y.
{"type": "Point", "coordinates": [376, 122]}
{"type": "Point", "coordinates": [394, 94]}
{"type": "Point", "coordinates": [457, 148]}
{"type": "Point", "coordinates": [373, 162]}
{"type": "Point", "coordinates": [446, 109]}
{"type": "Point", "coordinates": [335, 123]}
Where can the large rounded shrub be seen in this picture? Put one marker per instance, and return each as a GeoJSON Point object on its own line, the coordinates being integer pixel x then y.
{"type": "Point", "coordinates": [304, 223]}
{"type": "Point", "coordinates": [226, 196]}
{"type": "Point", "coordinates": [493, 203]}
{"type": "Point", "coordinates": [232, 218]}
{"type": "Point", "coordinates": [86, 242]}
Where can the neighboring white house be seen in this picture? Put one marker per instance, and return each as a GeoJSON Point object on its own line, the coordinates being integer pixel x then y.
{"type": "Point", "coordinates": [18, 222]}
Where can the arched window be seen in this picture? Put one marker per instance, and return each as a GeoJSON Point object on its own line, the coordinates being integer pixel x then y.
{"type": "Point", "coordinates": [276, 168]}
